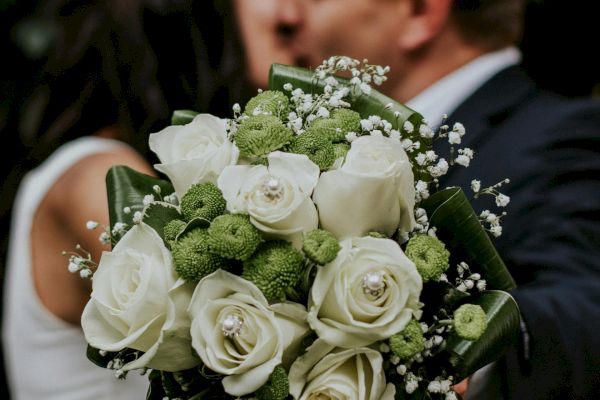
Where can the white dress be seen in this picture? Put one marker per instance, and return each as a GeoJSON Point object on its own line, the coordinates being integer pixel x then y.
{"type": "Point", "coordinates": [45, 356]}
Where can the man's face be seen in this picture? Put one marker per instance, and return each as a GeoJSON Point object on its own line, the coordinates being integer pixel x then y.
{"type": "Point", "coordinates": [267, 28]}
{"type": "Point", "coordinates": [356, 28]}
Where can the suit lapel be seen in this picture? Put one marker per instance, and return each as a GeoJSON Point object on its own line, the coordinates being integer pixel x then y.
{"type": "Point", "coordinates": [491, 104]}
{"type": "Point", "coordinates": [488, 108]}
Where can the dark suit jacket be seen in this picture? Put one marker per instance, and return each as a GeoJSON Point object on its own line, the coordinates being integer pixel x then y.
{"type": "Point", "coordinates": [550, 149]}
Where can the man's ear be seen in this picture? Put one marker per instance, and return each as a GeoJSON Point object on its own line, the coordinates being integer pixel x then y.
{"type": "Point", "coordinates": [425, 20]}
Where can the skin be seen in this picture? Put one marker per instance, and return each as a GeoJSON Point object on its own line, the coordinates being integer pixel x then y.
{"type": "Point", "coordinates": [267, 28]}
{"type": "Point", "coordinates": [60, 223]}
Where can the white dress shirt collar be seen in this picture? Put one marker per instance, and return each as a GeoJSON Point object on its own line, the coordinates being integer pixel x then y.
{"type": "Point", "coordinates": [445, 95]}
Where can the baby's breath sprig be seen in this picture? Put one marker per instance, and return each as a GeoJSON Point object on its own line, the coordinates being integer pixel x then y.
{"type": "Point", "coordinates": [501, 199]}
{"type": "Point", "coordinates": [80, 261]}
{"type": "Point", "coordinates": [467, 280]}
{"type": "Point", "coordinates": [489, 220]}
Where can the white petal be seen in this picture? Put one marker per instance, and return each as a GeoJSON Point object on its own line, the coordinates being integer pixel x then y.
{"type": "Point", "coordinates": [296, 168]}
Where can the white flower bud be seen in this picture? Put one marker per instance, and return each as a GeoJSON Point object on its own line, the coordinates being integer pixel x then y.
{"type": "Point", "coordinates": [91, 225]}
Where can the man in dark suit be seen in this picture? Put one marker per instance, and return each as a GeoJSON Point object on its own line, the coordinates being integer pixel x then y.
{"type": "Point", "coordinates": [458, 57]}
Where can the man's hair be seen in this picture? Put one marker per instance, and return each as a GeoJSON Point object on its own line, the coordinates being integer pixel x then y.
{"type": "Point", "coordinates": [492, 24]}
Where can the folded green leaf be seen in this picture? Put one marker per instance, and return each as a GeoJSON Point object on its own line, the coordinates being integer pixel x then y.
{"type": "Point", "coordinates": [159, 214]}
{"type": "Point", "coordinates": [182, 117]}
{"type": "Point", "coordinates": [126, 188]}
{"type": "Point", "coordinates": [502, 314]}
{"type": "Point", "coordinates": [459, 228]}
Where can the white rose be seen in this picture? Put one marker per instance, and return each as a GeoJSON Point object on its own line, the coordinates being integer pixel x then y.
{"type": "Point", "coordinates": [372, 191]}
{"type": "Point", "coordinates": [277, 197]}
{"type": "Point", "coordinates": [137, 302]}
{"type": "Point", "coordinates": [325, 371]}
{"type": "Point", "coordinates": [237, 334]}
{"type": "Point", "coordinates": [194, 153]}
{"type": "Point", "coordinates": [368, 293]}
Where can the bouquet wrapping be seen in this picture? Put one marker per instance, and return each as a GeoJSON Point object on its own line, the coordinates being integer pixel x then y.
{"type": "Point", "coordinates": [302, 249]}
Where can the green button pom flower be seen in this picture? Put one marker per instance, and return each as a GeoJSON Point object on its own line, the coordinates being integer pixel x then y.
{"type": "Point", "coordinates": [320, 246]}
{"type": "Point", "coordinates": [316, 146]}
{"type": "Point", "coordinates": [172, 229]}
{"type": "Point", "coordinates": [336, 127]}
{"type": "Point", "coordinates": [409, 342]}
{"type": "Point", "coordinates": [276, 266]}
{"type": "Point", "coordinates": [269, 102]}
{"type": "Point", "coordinates": [470, 321]}
{"type": "Point", "coordinates": [429, 255]}
{"type": "Point", "coordinates": [260, 135]}
{"type": "Point", "coordinates": [277, 387]}
{"type": "Point", "coordinates": [203, 200]}
{"type": "Point", "coordinates": [233, 236]}
{"type": "Point", "coordinates": [192, 258]}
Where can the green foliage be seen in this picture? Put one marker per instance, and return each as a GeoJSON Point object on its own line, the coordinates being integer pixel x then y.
{"type": "Point", "coordinates": [259, 135]}
{"type": "Point", "coordinates": [270, 102]}
{"type": "Point", "coordinates": [275, 266]}
{"type": "Point", "coordinates": [459, 228]}
{"type": "Point", "coordinates": [203, 200]}
{"type": "Point", "coordinates": [320, 246]}
{"type": "Point", "coordinates": [276, 388]}
{"type": "Point", "coordinates": [233, 236]}
{"type": "Point", "coordinates": [429, 255]}
{"type": "Point", "coordinates": [126, 187]}
{"type": "Point", "coordinates": [183, 117]}
{"type": "Point", "coordinates": [409, 342]}
{"type": "Point", "coordinates": [192, 258]}
{"type": "Point", "coordinates": [317, 147]}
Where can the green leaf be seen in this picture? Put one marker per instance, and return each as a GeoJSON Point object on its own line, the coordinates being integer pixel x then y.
{"type": "Point", "coordinates": [502, 332]}
{"type": "Point", "coordinates": [182, 117]}
{"type": "Point", "coordinates": [366, 105]}
{"type": "Point", "coordinates": [155, 390]}
{"type": "Point", "coordinates": [459, 228]}
{"type": "Point", "coordinates": [126, 188]}
{"type": "Point", "coordinates": [94, 355]}
{"type": "Point", "coordinates": [159, 214]}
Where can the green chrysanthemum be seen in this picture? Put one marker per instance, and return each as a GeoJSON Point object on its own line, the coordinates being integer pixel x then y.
{"type": "Point", "coordinates": [191, 256]}
{"type": "Point", "coordinates": [377, 235]}
{"type": "Point", "coordinates": [318, 148]}
{"type": "Point", "coordinates": [470, 321]}
{"type": "Point", "coordinates": [336, 127]}
{"type": "Point", "coordinates": [233, 236]}
{"type": "Point", "coordinates": [276, 266]}
{"type": "Point", "coordinates": [276, 388]}
{"type": "Point", "coordinates": [261, 134]}
{"type": "Point", "coordinates": [429, 255]}
{"type": "Point", "coordinates": [173, 228]}
{"type": "Point", "coordinates": [409, 342]}
{"type": "Point", "coordinates": [320, 246]}
{"type": "Point", "coordinates": [202, 200]}
{"type": "Point", "coordinates": [340, 150]}
{"type": "Point", "coordinates": [270, 102]}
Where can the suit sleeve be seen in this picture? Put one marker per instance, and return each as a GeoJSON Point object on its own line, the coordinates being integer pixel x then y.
{"type": "Point", "coordinates": [556, 252]}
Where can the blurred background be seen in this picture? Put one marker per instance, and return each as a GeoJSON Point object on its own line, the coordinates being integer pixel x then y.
{"type": "Point", "coordinates": [201, 68]}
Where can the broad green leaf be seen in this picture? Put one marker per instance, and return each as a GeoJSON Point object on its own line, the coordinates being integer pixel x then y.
{"type": "Point", "coordinates": [375, 103]}
{"type": "Point", "coordinates": [502, 332]}
{"type": "Point", "coordinates": [100, 359]}
{"type": "Point", "coordinates": [126, 188]}
{"type": "Point", "coordinates": [182, 117]}
{"type": "Point", "coordinates": [459, 228]}
{"type": "Point", "coordinates": [157, 215]}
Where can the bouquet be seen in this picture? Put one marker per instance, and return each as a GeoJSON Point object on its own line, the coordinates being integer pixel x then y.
{"type": "Point", "coordinates": [301, 249]}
